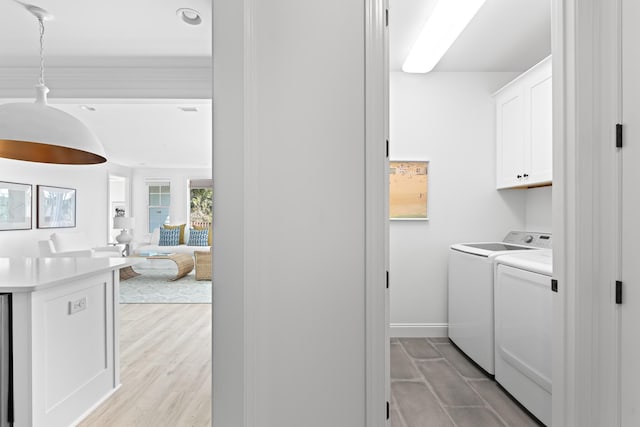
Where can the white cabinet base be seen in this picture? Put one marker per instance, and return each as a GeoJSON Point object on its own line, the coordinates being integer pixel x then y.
{"type": "Point", "coordinates": [65, 350]}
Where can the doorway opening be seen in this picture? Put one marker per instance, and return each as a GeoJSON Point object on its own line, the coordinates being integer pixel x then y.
{"type": "Point", "coordinates": [450, 118]}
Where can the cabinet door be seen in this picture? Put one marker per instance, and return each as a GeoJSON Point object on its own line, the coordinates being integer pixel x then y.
{"type": "Point", "coordinates": [510, 137]}
{"type": "Point", "coordinates": [538, 155]}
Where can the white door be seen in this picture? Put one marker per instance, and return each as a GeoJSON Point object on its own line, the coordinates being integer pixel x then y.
{"type": "Point", "coordinates": [630, 333]}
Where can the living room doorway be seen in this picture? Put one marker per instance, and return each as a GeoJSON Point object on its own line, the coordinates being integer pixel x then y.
{"type": "Point", "coordinates": [119, 205]}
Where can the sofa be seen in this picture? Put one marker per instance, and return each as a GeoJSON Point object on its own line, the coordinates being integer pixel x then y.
{"type": "Point", "coordinates": [75, 244]}
{"type": "Point", "coordinates": [153, 245]}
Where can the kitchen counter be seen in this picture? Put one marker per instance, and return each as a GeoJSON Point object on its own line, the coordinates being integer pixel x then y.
{"type": "Point", "coordinates": [65, 335]}
{"type": "Point", "coordinates": [33, 274]}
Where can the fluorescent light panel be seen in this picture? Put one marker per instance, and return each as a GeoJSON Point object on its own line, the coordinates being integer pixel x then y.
{"type": "Point", "coordinates": [446, 23]}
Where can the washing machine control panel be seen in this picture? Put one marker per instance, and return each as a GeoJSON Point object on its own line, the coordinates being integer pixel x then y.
{"type": "Point", "coordinates": [528, 238]}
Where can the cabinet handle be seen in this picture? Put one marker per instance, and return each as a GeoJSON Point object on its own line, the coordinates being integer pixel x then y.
{"type": "Point", "coordinates": [526, 175]}
{"type": "Point", "coordinates": [518, 176]}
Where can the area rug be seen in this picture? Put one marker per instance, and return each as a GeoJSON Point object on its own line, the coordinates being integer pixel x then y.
{"type": "Point", "coordinates": [154, 287]}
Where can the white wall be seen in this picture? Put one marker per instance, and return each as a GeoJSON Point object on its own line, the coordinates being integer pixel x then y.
{"type": "Point", "coordinates": [179, 180]}
{"type": "Point", "coordinates": [538, 209]}
{"type": "Point", "coordinates": [448, 119]}
{"type": "Point", "coordinates": [90, 183]}
{"type": "Point", "coordinates": [289, 257]}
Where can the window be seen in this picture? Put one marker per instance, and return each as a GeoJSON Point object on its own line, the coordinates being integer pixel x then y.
{"type": "Point", "coordinates": [159, 204]}
{"type": "Point", "coordinates": [200, 202]}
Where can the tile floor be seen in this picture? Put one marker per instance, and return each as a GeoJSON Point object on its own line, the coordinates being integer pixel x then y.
{"type": "Point", "coordinates": [434, 385]}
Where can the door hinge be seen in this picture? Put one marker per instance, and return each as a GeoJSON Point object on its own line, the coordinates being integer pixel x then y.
{"type": "Point", "coordinates": [618, 135]}
{"type": "Point", "coordinates": [387, 409]}
{"type": "Point", "coordinates": [387, 149]}
{"type": "Point", "coordinates": [387, 279]}
{"type": "Point", "coordinates": [386, 17]}
{"type": "Point", "coordinates": [554, 285]}
{"type": "Point", "coordinates": [618, 292]}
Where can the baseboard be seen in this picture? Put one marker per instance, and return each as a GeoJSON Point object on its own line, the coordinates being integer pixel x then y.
{"type": "Point", "coordinates": [426, 330]}
{"type": "Point", "coordinates": [95, 406]}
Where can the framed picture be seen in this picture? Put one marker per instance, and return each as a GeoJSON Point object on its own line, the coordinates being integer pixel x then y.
{"type": "Point", "coordinates": [15, 206]}
{"type": "Point", "coordinates": [56, 207]}
{"type": "Point", "coordinates": [408, 184]}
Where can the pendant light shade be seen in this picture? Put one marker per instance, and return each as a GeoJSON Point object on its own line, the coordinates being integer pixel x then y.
{"type": "Point", "coordinates": [36, 132]}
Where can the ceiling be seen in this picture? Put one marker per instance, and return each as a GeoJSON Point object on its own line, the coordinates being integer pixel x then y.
{"type": "Point", "coordinates": [505, 35]}
{"type": "Point", "coordinates": [105, 28]}
{"type": "Point", "coordinates": [151, 133]}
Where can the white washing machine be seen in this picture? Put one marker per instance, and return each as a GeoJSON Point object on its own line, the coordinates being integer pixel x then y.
{"type": "Point", "coordinates": [471, 268]}
{"type": "Point", "coordinates": [523, 334]}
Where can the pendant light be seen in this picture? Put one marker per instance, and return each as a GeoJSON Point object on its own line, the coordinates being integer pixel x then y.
{"type": "Point", "coordinates": [36, 132]}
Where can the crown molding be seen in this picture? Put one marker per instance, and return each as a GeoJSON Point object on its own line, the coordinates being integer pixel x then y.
{"type": "Point", "coordinates": [187, 78]}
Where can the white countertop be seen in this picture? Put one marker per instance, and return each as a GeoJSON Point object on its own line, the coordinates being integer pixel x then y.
{"type": "Point", "coordinates": [34, 274]}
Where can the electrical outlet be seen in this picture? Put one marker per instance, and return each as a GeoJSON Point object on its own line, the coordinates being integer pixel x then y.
{"type": "Point", "coordinates": [77, 305]}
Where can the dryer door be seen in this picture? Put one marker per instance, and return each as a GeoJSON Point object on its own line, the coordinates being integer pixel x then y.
{"type": "Point", "coordinates": [523, 302]}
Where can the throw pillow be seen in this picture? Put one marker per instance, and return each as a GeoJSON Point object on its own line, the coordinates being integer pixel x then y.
{"type": "Point", "coordinates": [181, 227]}
{"type": "Point", "coordinates": [210, 228]}
{"type": "Point", "coordinates": [198, 237]}
{"type": "Point", "coordinates": [169, 236]}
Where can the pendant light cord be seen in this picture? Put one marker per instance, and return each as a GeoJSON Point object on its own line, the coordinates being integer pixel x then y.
{"type": "Point", "coordinates": [41, 22]}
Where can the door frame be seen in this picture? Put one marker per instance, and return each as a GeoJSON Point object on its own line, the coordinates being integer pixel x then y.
{"type": "Point", "coordinates": [377, 358]}
{"type": "Point", "coordinates": [586, 99]}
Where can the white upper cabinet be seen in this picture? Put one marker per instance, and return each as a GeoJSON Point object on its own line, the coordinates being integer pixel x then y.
{"type": "Point", "coordinates": [523, 131]}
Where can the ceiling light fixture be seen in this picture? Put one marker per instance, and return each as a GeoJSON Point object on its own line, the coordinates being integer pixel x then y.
{"type": "Point", "coordinates": [189, 109]}
{"type": "Point", "coordinates": [189, 16]}
{"type": "Point", "coordinates": [37, 132]}
{"type": "Point", "coordinates": [446, 23]}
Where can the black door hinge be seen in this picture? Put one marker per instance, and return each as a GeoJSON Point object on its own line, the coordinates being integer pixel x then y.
{"type": "Point", "coordinates": [618, 292]}
{"type": "Point", "coordinates": [387, 279]}
{"type": "Point", "coordinates": [387, 148]}
{"type": "Point", "coordinates": [386, 17]}
{"type": "Point", "coordinates": [387, 410]}
{"type": "Point", "coordinates": [554, 285]}
{"type": "Point", "coordinates": [618, 135]}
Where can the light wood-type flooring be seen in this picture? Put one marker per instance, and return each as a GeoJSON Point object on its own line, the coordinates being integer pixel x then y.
{"type": "Point", "coordinates": [165, 359]}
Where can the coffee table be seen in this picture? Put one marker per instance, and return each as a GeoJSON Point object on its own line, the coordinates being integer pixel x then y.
{"type": "Point", "coordinates": [184, 262]}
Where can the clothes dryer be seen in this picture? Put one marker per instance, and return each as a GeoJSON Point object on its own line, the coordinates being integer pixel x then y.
{"type": "Point", "coordinates": [523, 334]}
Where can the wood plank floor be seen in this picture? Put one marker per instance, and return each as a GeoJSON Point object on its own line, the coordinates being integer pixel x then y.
{"type": "Point", "coordinates": [165, 359]}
